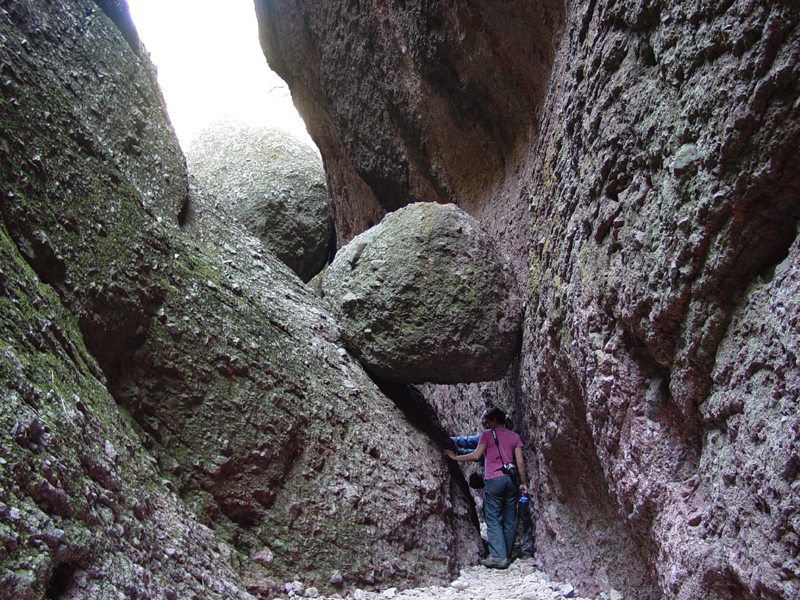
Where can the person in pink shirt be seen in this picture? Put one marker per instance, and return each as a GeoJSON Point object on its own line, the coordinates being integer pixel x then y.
{"type": "Point", "coordinates": [502, 448]}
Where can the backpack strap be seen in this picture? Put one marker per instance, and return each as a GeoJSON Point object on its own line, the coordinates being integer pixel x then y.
{"type": "Point", "coordinates": [500, 452]}
{"type": "Point", "coordinates": [513, 474]}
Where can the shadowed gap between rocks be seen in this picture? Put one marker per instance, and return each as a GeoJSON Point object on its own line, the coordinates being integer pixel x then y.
{"type": "Point", "coordinates": [422, 415]}
{"type": "Point", "coordinates": [61, 581]}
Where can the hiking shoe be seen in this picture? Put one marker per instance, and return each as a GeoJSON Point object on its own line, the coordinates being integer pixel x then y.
{"type": "Point", "coordinates": [491, 561]}
{"type": "Point", "coordinates": [495, 562]}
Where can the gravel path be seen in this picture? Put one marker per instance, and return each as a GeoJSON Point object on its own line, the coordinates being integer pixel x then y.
{"type": "Point", "coordinates": [521, 581]}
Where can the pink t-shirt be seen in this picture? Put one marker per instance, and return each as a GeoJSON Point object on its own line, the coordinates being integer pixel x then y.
{"type": "Point", "coordinates": [508, 442]}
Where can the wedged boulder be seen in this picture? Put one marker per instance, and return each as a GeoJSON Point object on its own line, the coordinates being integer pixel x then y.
{"type": "Point", "coordinates": [426, 296]}
{"type": "Point", "coordinates": [273, 184]}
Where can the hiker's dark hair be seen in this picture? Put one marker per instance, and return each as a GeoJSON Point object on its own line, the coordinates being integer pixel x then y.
{"type": "Point", "coordinates": [495, 414]}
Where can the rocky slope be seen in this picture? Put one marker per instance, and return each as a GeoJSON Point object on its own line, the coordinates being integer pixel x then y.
{"type": "Point", "coordinates": [637, 161]}
{"type": "Point", "coordinates": [179, 418]}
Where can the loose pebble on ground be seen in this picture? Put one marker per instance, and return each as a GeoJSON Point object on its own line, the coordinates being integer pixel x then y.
{"type": "Point", "coordinates": [521, 581]}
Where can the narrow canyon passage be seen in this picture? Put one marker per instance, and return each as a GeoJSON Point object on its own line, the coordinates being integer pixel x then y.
{"type": "Point", "coordinates": [183, 416]}
{"type": "Point", "coordinates": [635, 161]}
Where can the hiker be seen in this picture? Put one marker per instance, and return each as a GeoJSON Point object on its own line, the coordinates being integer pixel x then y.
{"type": "Point", "coordinates": [502, 448]}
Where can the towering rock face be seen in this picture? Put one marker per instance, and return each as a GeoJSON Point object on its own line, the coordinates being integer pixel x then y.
{"type": "Point", "coordinates": [412, 101]}
{"type": "Point", "coordinates": [651, 148]}
{"type": "Point", "coordinates": [178, 419]}
{"type": "Point", "coordinates": [677, 197]}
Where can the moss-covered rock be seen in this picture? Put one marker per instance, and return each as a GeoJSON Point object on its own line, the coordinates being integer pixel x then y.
{"type": "Point", "coordinates": [426, 296]}
{"type": "Point", "coordinates": [175, 399]}
{"type": "Point", "coordinates": [84, 508]}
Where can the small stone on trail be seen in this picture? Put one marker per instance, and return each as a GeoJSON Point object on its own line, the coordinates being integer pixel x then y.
{"type": "Point", "coordinates": [460, 585]}
{"type": "Point", "coordinates": [264, 557]}
{"type": "Point", "coordinates": [295, 586]}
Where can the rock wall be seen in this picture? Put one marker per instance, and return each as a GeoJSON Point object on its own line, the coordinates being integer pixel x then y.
{"type": "Point", "coordinates": [449, 95]}
{"type": "Point", "coordinates": [665, 185]}
{"type": "Point", "coordinates": [179, 419]}
{"type": "Point", "coordinates": [636, 159]}
{"type": "Point", "coordinates": [84, 509]}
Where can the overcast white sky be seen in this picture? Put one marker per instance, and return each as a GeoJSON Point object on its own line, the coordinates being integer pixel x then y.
{"type": "Point", "coordinates": [210, 65]}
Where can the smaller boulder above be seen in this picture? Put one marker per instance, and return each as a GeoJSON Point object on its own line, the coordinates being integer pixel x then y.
{"type": "Point", "coordinates": [273, 184]}
{"type": "Point", "coordinates": [425, 296]}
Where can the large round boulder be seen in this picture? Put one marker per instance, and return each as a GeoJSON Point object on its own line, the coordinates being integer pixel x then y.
{"type": "Point", "coordinates": [425, 296]}
{"type": "Point", "coordinates": [272, 183]}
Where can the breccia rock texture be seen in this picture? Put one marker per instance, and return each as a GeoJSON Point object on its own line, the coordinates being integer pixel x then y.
{"type": "Point", "coordinates": [84, 509]}
{"type": "Point", "coordinates": [273, 184]}
{"type": "Point", "coordinates": [414, 101]}
{"type": "Point", "coordinates": [178, 416]}
{"type": "Point", "coordinates": [649, 197]}
{"type": "Point", "coordinates": [425, 296]}
{"type": "Point", "coordinates": [654, 220]}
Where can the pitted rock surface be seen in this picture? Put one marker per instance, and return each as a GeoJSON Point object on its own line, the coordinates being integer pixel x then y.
{"type": "Point", "coordinates": [177, 417]}
{"type": "Point", "coordinates": [661, 206]}
{"type": "Point", "coordinates": [273, 184]}
{"type": "Point", "coordinates": [85, 509]}
{"type": "Point", "coordinates": [426, 296]}
{"type": "Point", "coordinates": [412, 101]}
{"type": "Point", "coordinates": [652, 209]}
{"type": "Point", "coordinates": [84, 506]}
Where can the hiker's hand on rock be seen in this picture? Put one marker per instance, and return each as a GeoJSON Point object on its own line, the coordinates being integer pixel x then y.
{"type": "Point", "coordinates": [450, 454]}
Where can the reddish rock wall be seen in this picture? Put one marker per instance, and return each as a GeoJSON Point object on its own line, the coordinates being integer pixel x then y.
{"type": "Point", "coordinates": [412, 101]}
{"type": "Point", "coordinates": [653, 147]}
{"type": "Point", "coordinates": [664, 183]}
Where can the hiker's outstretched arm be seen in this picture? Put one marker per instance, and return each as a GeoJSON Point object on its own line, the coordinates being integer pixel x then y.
{"type": "Point", "coordinates": [467, 457]}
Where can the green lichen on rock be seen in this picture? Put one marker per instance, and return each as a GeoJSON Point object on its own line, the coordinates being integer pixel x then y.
{"type": "Point", "coordinates": [82, 507]}
{"type": "Point", "coordinates": [200, 372]}
{"type": "Point", "coordinates": [426, 296]}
